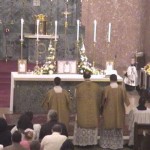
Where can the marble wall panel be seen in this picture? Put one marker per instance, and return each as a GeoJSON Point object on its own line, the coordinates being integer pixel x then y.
{"type": "Point", "coordinates": [11, 11]}
{"type": "Point", "coordinates": [127, 18]}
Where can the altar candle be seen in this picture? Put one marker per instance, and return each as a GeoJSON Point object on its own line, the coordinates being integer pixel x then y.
{"type": "Point", "coordinates": [78, 22]}
{"type": "Point", "coordinates": [109, 32]}
{"type": "Point", "coordinates": [95, 27]}
{"type": "Point", "coordinates": [55, 30]}
{"type": "Point", "coordinates": [22, 21]}
{"type": "Point", "coordinates": [37, 22]}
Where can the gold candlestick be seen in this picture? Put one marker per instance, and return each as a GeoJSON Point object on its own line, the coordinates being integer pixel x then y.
{"type": "Point", "coordinates": [94, 44]}
{"type": "Point", "coordinates": [37, 50]}
{"type": "Point", "coordinates": [21, 42]}
{"type": "Point", "coordinates": [55, 45]}
{"type": "Point", "coordinates": [36, 68]}
{"type": "Point", "coordinates": [77, 48]}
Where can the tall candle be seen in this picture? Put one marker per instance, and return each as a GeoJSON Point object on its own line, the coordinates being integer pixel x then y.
{"type": "Point", "coordinates": [95, 28]}
{"type": "Point", "coordinates": [78, 22]}
{"type": "Point", "coordinates": [37, 22]}
{"type": "Point", "coordinates": [109, 32]}
{"type": "Point", "coordinates": [22, 22]}
{"type": "Point", "coordinates": [55, 30]}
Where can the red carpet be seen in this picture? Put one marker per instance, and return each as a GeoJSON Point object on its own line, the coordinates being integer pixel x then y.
{"type": "Point", "coordinates": [5, 75]}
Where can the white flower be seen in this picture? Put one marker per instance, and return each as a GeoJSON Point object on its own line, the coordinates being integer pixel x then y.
{"type": "Point", "coordinates": [51, 66]}
{"type": "Point", "coordinates": [51, 72]}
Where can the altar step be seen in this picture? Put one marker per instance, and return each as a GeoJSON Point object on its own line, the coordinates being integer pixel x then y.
{"type": "Point", "coordinates": [4, 89]}
{"type": "Point", "coordinates": [5, 79]}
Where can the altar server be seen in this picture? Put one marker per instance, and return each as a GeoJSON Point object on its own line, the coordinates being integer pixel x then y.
{"type": "Point", "coordinates": [115, 96]}
{"type": "Point", "coordinates": [131, 77]}
{"type": "Point", "coordinates": [88, 97]}
{"type": "Point", "coordinates": [58, 99]}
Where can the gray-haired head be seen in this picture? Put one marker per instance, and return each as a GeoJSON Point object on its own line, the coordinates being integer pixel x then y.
{"type": "Point", "coordinates": [52, 115]}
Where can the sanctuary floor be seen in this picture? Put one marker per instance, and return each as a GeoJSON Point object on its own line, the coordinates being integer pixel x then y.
{"type": "Point", "coordinates": [96, 148]}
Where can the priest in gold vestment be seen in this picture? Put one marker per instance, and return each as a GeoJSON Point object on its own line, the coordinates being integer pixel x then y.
{"type": "Point", "coordinates": [115, 97]}
{"type": "Point", "coordinates": [88, 97]}
{"type": "Point", "coordinates": [58, 99]}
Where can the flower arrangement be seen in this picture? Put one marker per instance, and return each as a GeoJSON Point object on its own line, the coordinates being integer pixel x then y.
{"type": "Point", "coordinates": [49, 66]}
{"type": "Point", "coordinates": [84, 64]}
{"type": "Point", "coordinates": [147, 68]}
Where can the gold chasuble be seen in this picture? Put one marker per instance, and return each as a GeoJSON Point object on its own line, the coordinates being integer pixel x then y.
{"type": "Point", "coordinates": [114, 109]}
{"type": "Point", "coordinates": [88, 99]}
{"type": "Point", "coordinates": [59, 101]}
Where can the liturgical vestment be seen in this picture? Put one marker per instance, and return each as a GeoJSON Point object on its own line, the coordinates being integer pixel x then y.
{"type": "Point", "coordinates": [58, 100]}
{"type": "Point", "coordinates": [114, 109]}
{"type": "Point", "coordinates": [88, 99]}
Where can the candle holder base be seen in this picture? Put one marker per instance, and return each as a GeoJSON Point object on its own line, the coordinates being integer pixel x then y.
{"type": "Point", "coordinates": [36, 68]}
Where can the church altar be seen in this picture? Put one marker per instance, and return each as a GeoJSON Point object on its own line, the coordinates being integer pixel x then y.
{"type": "Point", "coordinates": [27, 90]}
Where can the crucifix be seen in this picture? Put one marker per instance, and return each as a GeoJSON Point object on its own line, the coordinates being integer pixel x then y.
{"type": "Point", "coordinates": [66, 13]}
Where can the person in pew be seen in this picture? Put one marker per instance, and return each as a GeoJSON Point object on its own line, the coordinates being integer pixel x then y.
{"type": "Point", "coordinates": [46, 129]}
{"type": "Point", "coordinates": [5, 134]}
{"type": "Point", "coordinates": [58, 99]}
{"type": "Point", "coordinates": [55, 140]}
{"type": "Point", "coordinates": [131, 77]}
{"type": "Point", "coordinates": [140, 114]}
{"type": "Point", "coordinates": [16, 139]}
{"type": "Point", "coordinates": [67, 145]}
{"type": "Point", "coordinates": [29, 135]}
{"type": "Point", "coordinates": [111, 135]}
{"type": "Point", "coordinates": [88, 97]}
{"type": "Point", "coordinates": [25, 122]}
{"type": "Point", "coordinates": [35, 145]}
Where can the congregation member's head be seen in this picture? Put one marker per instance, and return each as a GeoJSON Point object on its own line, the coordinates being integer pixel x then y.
{"type": "Point", "coordinates": [24, 122]}
{"type": "Point", "coordinates": [141, 105]}
{"type": "Point", "coordinates": [29, 134]}
{"type": "Point", "coordinates": [16, 137]}
{"type": "Point", "coordinates": [67, 145]}
{"type": "Point", "coordinates": [52, 115]}
{"type": "Point", "coordinates": [57, 128]}
{"type": "Point", "coordinates": [113, 78]}
{"type": "Point", "coordinates": [35, 145]}
{"type": "Point", "coordinates": [142, 101]}
{"type": "Point", "coordinates": [57, 81]}
{"type": "Point", "coordinates": [87, 74]}
{"type": "Point", "coordinates": [29, 114]}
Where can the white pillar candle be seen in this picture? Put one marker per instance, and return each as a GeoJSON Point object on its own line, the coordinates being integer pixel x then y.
{"type": "Point", "coordinates": [95, 28]}
{"type": "Point", "coordinates": [37, 22]}
{"type": "Point", "coordinates": [109, 32]}
{"type": "Point", "coordinates": [22, 22]}
{"type": "Point", "coordinates": [55, 30]}
{"type": "Point", "coordinates": [78, 22]}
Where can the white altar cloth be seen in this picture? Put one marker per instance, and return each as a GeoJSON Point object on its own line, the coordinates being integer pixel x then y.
{"type": "Point", "coordinates": [15, 76]}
